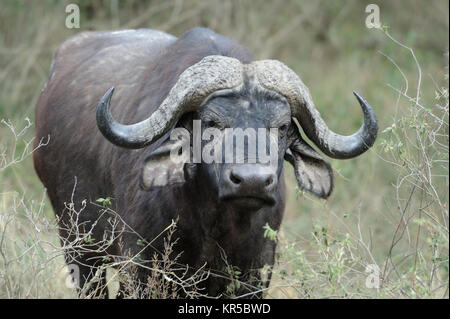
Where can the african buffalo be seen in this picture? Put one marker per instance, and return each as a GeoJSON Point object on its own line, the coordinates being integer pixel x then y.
{"type": "Point", "coordinates": [161, 83]}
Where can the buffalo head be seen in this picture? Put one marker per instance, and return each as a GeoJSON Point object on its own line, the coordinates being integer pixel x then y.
{"type": "Point", "coordinates": [224, 94]}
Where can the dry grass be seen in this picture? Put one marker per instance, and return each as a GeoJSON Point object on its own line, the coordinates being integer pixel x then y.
{"type": "Point", "coordinates": [390, 205]}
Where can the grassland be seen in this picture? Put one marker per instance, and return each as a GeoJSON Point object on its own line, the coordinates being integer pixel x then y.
{"type": "Point", "coordinates": [390, 205]}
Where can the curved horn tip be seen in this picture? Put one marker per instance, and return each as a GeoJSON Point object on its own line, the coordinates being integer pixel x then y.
{"type": "Point", "coordinates": [103, 104]}
{"type": "Point", "coordinates": [370, 119]}
{"type": "Point", "coordinates": [105, 99]}
{"type": "Point", "coordinates": [360, 99]}
{"type": "Point", "coordinates": [103, 112]}
{"type": "Point", "coordinates": [109, 93]}
{"type": "Point", "coordinates": [367, 109]}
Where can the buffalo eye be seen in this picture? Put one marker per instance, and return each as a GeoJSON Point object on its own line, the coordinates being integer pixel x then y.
{"type": "Point", "coordinates": [212, 124]}
{"type": "Point", "coordinates": [283, 129]}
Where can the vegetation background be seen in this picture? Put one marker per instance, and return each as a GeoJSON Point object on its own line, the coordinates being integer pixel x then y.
{"type": "Point", "coordinates": [388, 216]}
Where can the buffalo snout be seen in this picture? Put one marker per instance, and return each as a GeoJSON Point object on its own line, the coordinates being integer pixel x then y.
{"type": "Point", "coordinates": [249, 186]}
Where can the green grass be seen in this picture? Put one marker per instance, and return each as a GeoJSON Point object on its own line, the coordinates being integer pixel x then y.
{"type": "Point", "coordinates": [324, 246]}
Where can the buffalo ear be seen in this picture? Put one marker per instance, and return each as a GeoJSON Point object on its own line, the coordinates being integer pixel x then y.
{"type": "Point", "coordinates": [164, 166]}
{"type": "Point", "coordinates": [312, 172]}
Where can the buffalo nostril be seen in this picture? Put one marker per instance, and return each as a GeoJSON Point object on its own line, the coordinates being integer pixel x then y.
{"type": "Point", "coordinates": [269, 181]}
{"type": "Point", "coordinates": [234, 178]}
